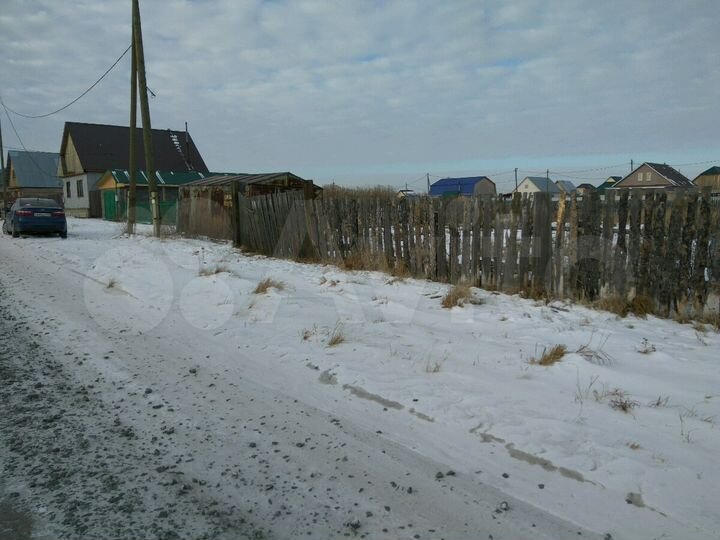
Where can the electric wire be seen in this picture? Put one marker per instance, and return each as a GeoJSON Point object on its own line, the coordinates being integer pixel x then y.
{"type": "Point", "coordinates": [74, 100]}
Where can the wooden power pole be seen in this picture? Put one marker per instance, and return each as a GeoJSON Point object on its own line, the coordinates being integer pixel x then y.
{"type": "Point", "coordinates": [132, 162]}
{"type": "Point", "coordinates": [147, 126]}
{"type": "Point", "coordinates": [3, 176]}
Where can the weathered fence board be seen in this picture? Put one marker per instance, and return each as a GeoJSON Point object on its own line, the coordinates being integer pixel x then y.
{"type": "Point", "coordinates": [663, 247]}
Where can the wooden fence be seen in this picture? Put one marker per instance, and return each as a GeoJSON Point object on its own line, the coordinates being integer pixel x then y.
{"type": "Point", "coordinates": [658, 246]}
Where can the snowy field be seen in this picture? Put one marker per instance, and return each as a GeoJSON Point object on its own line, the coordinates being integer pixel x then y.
{"type": "Point", "coordinates": [618, 438]}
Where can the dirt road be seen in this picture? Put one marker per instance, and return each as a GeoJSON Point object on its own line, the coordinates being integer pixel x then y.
{"type": "Point", "coordinates": [104, 435]}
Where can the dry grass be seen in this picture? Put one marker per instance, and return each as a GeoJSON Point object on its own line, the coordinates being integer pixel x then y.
{"type": "Point", "coordinates": [111, 284]}
{"type": "Point", "coordinates": [539, 295]}
{"type": "Point", "coordinates": [307, 333]}
{"type": "Point", "coordinates": [457, 296]}
{"type": "Point", "coordinates": [640, 306]}
{"type": "Point", "coordinates": [357, 261]}
{"type": "Point", "coordinates": [336, 336]}
{"type": "Point", "coordinates": [550, 356]}
{"type": "Point", "coordinates": [699, 327]}
{"type": "Point", "coordinates": [634, 446]}
{"type": "Point", "coordinates": [624, 404]}
{"type": "Point", "coordinates": [400, 270]}
{"type": "Point", "coordinates": [268, 283]}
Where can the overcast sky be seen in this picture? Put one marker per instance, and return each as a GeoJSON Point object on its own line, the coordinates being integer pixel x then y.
{"type": "Point", "coordinates": [369, 92]}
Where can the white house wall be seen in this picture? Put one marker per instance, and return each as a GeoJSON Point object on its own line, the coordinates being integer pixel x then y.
{"type": "Point", "coordinates": [74, 205]}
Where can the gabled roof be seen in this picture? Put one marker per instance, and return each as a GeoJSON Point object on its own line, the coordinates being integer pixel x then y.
{"type": "Point", "coordinates": [610, 182]}
{"type": "Point", "coordinates": [464, 185]}
{"type": "Point", "coordinates": [566, 185]}
{"type": "Point", "coordinates": [675, 177]}
{"type": "Point", "coordinates": [712, 171]}
{"type": "Point", "coordinates": [163, 178]}
{"type": "Point", "coordinates": [101, 147]}
{"type": "Point", "coordinates": [34, 169]}
{"type": "Point", "coordinates": [543, 184]}
{"type": "Point", "coordinates": [586, 186]}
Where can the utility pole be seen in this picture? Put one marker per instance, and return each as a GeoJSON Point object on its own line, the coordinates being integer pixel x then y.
{"type": "Point", "coordinates": [632, 165]}
{"type": "Point", "coordinates": [147, 126]}
{"type": "Point", "coordinates": [428, 182]}
{"type": "Point", "coordinates": [516, 184]}
{"type": "Point", "coordinates": [3, 175]}
{"type": "Point", "coordinates": [132, 165]}
{"type": "Point", "coordinates": [547, 178]}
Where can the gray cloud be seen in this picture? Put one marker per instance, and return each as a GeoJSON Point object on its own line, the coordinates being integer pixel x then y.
{"type": "Point", "coordinates": [350, 90]}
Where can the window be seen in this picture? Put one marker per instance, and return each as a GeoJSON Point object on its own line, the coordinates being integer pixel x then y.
{"type": "Point", "coordinates": [67, 188]}
{"type": "Point", "coordinates": [80, 188]}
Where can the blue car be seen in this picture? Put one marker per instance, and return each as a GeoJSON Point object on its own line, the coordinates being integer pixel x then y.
{"type": "Point", "coordinates": [35, 216]}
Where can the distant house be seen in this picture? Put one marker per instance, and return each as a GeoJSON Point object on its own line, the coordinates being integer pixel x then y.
{"type": "Point", "coordinates": [566, 185]}
{"type": "Point", "coordinates": [87, 151]}
{"type": "Point", "coordinates": [252, 185]}
{"type": "Point", "coordinates": [537, 184]}
{"type": "Point", "coordinates": [115, 183]}
{"type": "Point", "coordinates": [407, 194]}
{"type": "Point", "coordinates": [467, 186]}
{"type": "Point", "coordinates": [654, 176]}
{"type": "Point", "coordinates": [33, 174]}
{"type": "Point", "coordinates": [610, 182]}
{"type": "Point", "coordinates": [709, 179]}
{"type": "Point", "coordinates": [585, 189]}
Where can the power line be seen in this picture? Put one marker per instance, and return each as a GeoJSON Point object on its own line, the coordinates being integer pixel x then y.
{"type": "Point", "coordinates": [12, 124]}
{"type": "Point", "coordinates": [74, 100]}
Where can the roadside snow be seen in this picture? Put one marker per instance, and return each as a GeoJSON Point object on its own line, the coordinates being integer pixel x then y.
{"type": "Point", "coordinates": [453, 386]}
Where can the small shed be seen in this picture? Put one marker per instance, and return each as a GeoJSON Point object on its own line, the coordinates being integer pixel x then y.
{"type": "Point", "coordinates": [251, 185]}
{"type": "Point", "coordinates": [466, 186]}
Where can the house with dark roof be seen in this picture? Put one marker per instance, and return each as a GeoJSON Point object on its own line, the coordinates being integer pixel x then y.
{"type": "Point", "coordinates": [610, 182]}
{"type": "Point", "coordinates": [585, 188]}
{"type": "Point", "coordinates": [709, 179]}
{"type": "Point", "coordinates": [87, 151]}
{"type": "Point", "coordinates": [33, 174]}
{"type": "Point", "coordinates": [654, 176]}
{"type": "Point", "coordinates": [537, 184]}
{"type": "Point", "coordinates": [467, 186]}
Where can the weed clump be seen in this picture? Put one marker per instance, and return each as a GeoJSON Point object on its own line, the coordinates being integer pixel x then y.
{"type": "Point", "coordinates": [336, 336]}
{"type": "Point", "coordinates": [550, 356]}
{"type": "Point", "coordinates": [267, 284]}
{"type": "Point", "coordinates": [457, 296]}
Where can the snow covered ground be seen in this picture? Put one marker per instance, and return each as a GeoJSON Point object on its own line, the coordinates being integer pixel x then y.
{"type": "Point", "coordinates": [415, 390]}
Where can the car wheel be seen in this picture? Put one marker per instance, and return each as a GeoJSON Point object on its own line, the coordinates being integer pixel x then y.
{"type": "Point", "coordinates": [15, 232]}
{"type": "Point", "coordinates": [63, 234]}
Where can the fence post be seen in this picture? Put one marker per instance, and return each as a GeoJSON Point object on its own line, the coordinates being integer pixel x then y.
{"type": "Point", "coordinates": [235, 213]}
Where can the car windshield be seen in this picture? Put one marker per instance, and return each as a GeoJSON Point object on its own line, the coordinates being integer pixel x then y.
{"type": "Point", "coordinates": [44, 203]}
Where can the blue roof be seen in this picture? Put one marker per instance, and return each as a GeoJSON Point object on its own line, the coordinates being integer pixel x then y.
{"type": "Point", "coordinates": [35, 169]}
{"type": "Point", "coordinates": [456, 186]}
